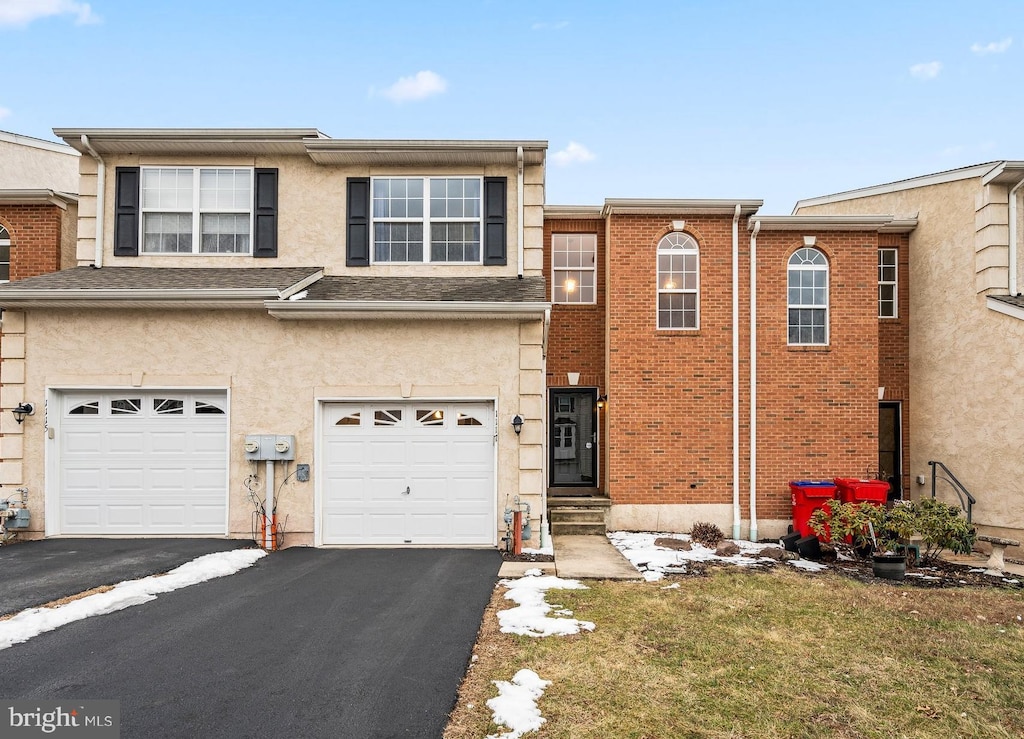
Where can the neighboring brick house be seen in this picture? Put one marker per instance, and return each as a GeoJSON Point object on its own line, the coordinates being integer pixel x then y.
{"type": "Point", "coordinates": [965, 329]}
{"type": "Point", "coordinates": [661, 341]}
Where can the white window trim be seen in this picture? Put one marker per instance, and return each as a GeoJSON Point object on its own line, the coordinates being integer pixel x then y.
{"type": "Point", "coordinates": [197, 214]}
{"type": "Point", "coordinates": [556, 270]}
{"type": "Point", "coordinates": [827, 269]}
{"type": "Point", "coordinates": [426, 220]}
{"type": "Point", "coordinates": [675, 291]}
{"type": "Point", "coordinates": [895, 282]}
{"type": "Point", "coordinates": [5, 240]}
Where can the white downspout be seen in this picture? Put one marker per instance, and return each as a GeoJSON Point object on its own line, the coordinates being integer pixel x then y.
{"type": "Point", "coordinates": [1013, 238]}
{"type": "Point", "coordinates": [753, 380]}
{"type": "Point", "coordinates": [522, 208]}
{"type": "Point", "coordinates": [736, 374]}
{"type": "Point", "coordinates": [101, 179]}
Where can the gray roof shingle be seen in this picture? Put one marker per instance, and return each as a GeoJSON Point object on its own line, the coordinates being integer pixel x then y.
{"type": "Point", "coordinates": [445, 289]}
{"type": "Point", "coordinates": [164, 278]}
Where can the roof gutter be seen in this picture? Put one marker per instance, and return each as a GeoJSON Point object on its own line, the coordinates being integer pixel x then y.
{"type": "Point", "coordinates": [410, 309]}
{"type": "Point", "coordinates": [101, 179]}
{"type": "Point", "coordinates": [522, 209]}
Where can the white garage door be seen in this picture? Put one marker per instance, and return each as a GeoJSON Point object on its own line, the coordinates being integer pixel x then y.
{"type": "Point", "coordinates": [408, 473]}
{"type": "Point", "coordinates": [138, 463]}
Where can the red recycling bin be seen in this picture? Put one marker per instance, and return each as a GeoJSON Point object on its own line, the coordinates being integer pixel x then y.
{"type": "Point", "coordinates": [809, 496]}
{"type": "Point", "coordinates": [852, 490]}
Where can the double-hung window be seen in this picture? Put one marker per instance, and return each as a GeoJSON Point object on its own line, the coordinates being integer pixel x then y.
{"type": "Point", "coordinates": [887, 304]}
{"type": "Point", "coordinates": [193, 210]}
{"type": "Point", "coordinates": [5, 255]}
{"type": "Point", "coordinates": [574, 268]}
{"type": "Point", "coordinates": [427, 219]}
{"type": "Point", "coordinates": [808, 297]}
{"type": "Point", "coordinates": [678, 282]}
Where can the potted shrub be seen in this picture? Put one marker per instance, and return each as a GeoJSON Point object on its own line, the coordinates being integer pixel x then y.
{"type": "Point", "coordinates": [883, 532]}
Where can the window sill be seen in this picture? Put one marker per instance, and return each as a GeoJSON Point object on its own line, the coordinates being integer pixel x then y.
{"type": "Point", "coordinates": [808, 349]}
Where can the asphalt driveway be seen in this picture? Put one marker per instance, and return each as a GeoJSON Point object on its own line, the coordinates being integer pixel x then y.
{"type": "Point", "coordinates": [38, 572]}
{"type": "Point", "coordinates": [306, 643]}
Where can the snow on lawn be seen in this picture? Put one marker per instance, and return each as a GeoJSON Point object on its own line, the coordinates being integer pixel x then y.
{"type": "Point", "coordinates": [35, 621]}
{"type": "Point", "coordinates": [654, 562]}
{"type": "Point", "coordinates": [515, 707]}
{"type": "Point", "coordinates": [530, 617]}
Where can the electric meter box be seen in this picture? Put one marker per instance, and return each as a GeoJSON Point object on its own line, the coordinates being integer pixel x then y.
{"type": "Point", "coordinates": [275, 447]}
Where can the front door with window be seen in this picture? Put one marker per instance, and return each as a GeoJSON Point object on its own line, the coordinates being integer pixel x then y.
{"type": "Point", "coordinates": [572, 437]}
{"type": "Point", "coordinates": [890, 446]}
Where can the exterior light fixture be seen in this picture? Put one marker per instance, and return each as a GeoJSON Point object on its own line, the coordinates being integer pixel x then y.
{"type": "Point", "coordinates": [517, 424]}
{"type": "Point", "coordinates": [602, 401]}
{"type": "Point", "coordinates": [22, 410]}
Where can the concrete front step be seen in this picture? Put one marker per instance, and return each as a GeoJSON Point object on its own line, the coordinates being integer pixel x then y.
{"type": "Point", "coordinates": [576, 515]}
{"type": "Point", "coordinates": [572, 528]}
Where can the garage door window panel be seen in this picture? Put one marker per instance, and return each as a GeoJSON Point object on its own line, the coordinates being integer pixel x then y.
{"type": "Point", "coordinates": [433, 417]}
{"type": "Point", "coordinates": [169, 406]}
{"type": "Point", "coordinates": [91, 408]}
{"type": "Point", "coordinates": [392, 417]}
{"type": "Point", "coordinates": [126, 407]}
{"type": "Point", "coordinates": [208, 409]}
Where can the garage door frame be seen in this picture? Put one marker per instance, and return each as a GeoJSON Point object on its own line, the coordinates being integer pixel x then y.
{"type": "Point", "coordinates": [319, 454]}
{"type": "Point", "coordinates": [52, 417]}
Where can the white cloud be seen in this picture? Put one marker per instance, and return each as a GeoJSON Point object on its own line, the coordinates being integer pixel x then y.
{"type": "Point", "coordinates": [572, 154]}
{"type": "Point", "coordinates": [993, 47]}
{"type": "Point", "coordinates": [23, 12]}
{"type": "Point", "coordinates": [926, 70]}
{"type": "Point", "coordinates": [421, 85]}
{"type": "Point", "coordinates": [550, 25]}
{"type": "Point", "coordinates": [4, 112]}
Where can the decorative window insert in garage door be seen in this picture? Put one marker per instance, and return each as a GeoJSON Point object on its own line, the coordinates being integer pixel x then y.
{"type": "Point", "coordinates": [136, 462]}
{"type": "Point", "coordinates": [408, 473]}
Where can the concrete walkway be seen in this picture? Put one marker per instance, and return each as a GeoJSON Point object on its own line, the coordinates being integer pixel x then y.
{"type": "Point", "coordinates": [590, 557]}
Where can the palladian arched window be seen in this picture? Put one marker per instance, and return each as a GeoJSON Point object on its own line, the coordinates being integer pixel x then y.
{"type": "Point", "coordinates": [808, 297]}
{"type": "Point", "coordinates": [678, 282]}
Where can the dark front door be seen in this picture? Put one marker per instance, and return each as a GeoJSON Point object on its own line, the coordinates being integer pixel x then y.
{"type": "Point", "coordinates": [890, 446]}
{"type": "Point", "coordinates": [572, 437]}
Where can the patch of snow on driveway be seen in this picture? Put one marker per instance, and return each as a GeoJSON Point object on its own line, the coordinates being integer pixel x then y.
{"type": "Point", "coordinates": [34, 621]}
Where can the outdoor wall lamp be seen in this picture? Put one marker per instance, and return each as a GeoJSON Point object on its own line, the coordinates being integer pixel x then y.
{"type": "Point", "coordinates": [517, 424]}
{"type": "Point", "coordinates": [602, 401]}
{"type": "Point", "coordinates": [22, 410]}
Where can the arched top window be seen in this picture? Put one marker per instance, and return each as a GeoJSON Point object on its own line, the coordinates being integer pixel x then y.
{"type": "Point", "coordinates": [807, 298]}
{"type": "Point", "coordinates": [5, 255]}
{"type": "Point", "coordinates": [678, 282]}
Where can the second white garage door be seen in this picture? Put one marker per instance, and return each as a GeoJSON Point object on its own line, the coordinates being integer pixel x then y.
{"type": "Point", "coordinates": [418, 473]}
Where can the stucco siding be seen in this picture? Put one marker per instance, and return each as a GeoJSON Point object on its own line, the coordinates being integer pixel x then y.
{"type": "Point", "coordinates": [26, 166]}
{"type": "Point", "coordinates": [276, 372]}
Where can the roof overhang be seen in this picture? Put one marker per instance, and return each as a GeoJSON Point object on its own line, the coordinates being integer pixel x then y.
{"type": "Point", "coordinates": [574, 211]}
{"type": "Point", "coordinates": [833, 223]}
{"type": "Point", "coordinates": [682, 207]}
{"type": "Point", "coordinates": [1004, 173]}
{"type": "Point", "coordinates": [21, 140]}
{"type": "Point", "coordinates": [952, 175]}
{"type": "Point", "coordinates": [1007, 305]}
{"type": "Point", "coordinates": [201, 141]}
{"type": "Point", "coordinates": [334, 310]}
{"type": "Point", "coordinates": [369, 152]}
{"type": "Point", "coordinates": [37, 197]}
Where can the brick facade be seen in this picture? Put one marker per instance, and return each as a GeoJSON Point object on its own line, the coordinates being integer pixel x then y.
{"type": "Point", "coordinates": [36, 232]}
{"type": "Point", "coordinates": [894, 346]}
{"type": "Point", "coordinates": [668, 436]}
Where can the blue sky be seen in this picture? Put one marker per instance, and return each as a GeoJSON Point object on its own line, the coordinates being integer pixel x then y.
{"type": "Point", "coordinates": [774, 100]}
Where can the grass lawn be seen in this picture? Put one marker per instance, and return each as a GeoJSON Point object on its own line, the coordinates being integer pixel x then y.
{"type": "Point", "coordinates": [773, 654]}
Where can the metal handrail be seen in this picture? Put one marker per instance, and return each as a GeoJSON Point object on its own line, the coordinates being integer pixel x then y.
{"type": "Point", "coordinates": [958, 487]}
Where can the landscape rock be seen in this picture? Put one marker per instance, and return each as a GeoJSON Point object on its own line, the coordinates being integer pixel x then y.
{"type": "Point", "coordinates": [779, 555]}
{"type": "Point", "coordinates": [727, 549]}
{"type": "Point", "coordinates": [670, 543]}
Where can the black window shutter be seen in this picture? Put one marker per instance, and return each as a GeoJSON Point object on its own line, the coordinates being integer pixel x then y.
{"type": "Point", "coordinates": [357, 240]}
{"type": "Point", "coordinates": [495, 237]}
{"type": "Point", "coordinates": [126, 212]}
{"type": "Point", "coordinates": [265, 214]}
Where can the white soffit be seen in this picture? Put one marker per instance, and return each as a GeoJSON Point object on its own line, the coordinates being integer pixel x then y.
{"type": "Point", "coordinates": [833, 223]}
{"type": "Point", "coordinates": [688, 206]}
{"type": "Point", "coordinates": [368, 152]}
{"type": "Point", "coordinates": [194, 141]}
{"type": "Point", "coordinates": [1005, 173]}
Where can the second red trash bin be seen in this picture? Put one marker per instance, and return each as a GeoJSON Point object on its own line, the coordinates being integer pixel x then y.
{"type": "Point", "coordinates": [852, 490]}
{"type": "Point", "coordinates": [809, 496]}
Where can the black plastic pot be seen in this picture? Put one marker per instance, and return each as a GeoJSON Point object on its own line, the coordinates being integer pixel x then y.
{"type": "Point", "coordinates": [889, 566]}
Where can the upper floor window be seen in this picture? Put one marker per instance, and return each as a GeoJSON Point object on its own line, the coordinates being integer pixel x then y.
{"type": "Point", "coordinates": [5, 255]}
{"type": "Point", "coordinates": [887, 284]}
{"type": "Point", "coordinates": [192, 210]}
{"type": "Point", "coordinates": [427, 219]}
{"type": "Point", "coordinates": [678, 282]}
{"type": "Point", "coordinates": [808, 297]}
{"type": "Point", "coordinates": [574, 268]}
